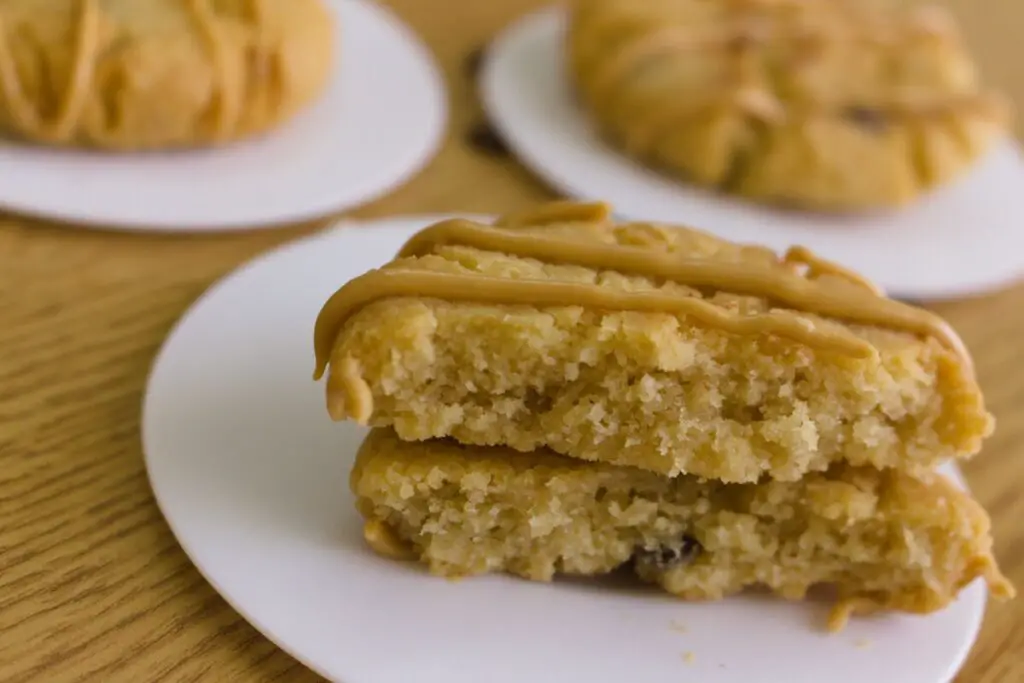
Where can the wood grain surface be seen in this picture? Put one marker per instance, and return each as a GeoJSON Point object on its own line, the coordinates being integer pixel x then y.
{"type": "Point", "coordinates": [93, 586]}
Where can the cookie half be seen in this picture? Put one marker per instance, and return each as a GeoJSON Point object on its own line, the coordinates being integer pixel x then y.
{"type": "Point", "coordinates": [884, 540]}
{"type": "Point", "coordinates": [647, 345]}
{"type": "Point", "coordinates": [155, 74]}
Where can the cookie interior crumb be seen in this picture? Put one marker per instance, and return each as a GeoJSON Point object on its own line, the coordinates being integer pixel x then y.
{"type": "Point", "coordinates": [663, 392]}
{"type": "Point", "coordinates": [885, 540]}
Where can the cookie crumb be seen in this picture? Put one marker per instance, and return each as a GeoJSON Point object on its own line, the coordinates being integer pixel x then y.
{"type": "Point", "coordinates": [862, 643]}
{"type": "Point", "coordinates": [677, 626]}
{"type": "Point", "coordinates": [689, 657]}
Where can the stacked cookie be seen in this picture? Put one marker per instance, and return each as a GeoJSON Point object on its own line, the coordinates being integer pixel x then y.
{"type": "Point", "coordinates": [828, 104]}
{"type": "Point", "coordinates": [561, 393]}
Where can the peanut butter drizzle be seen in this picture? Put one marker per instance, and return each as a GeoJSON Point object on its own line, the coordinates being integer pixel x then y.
{"type": "Point", "coordinates": [817, 266]}
{"type": "Point", "coordinates": [88, 49]}
{"type": "Point", "coordinates": [754, 29]}
{"type": "Point", "coordinates": [228, 98]}
{"type": "Point", "coordinates": [849, 297]}
{"type": "Point", "coordinates": [556, 212]}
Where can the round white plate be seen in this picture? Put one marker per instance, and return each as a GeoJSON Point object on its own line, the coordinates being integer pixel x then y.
{"type": "Point", "coordinates": [961, 240]}
{"type": "Point", "coordinates": [251, 475]}
{"type": "Point", "coordinates": [379, 121]}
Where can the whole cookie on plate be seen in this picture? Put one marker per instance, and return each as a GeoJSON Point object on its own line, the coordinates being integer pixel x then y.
{"type": "Point", "coordinates": [821, 104]}
{"type": "Point", "coordinates": [152, 74]}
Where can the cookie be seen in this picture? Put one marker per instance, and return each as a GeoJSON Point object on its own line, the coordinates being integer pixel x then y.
{"type": "Point", "coordinates": [832, 105]}
{"type": "Point", "coordinates": [884, 540]}
{"type": "Point", "coordinates": [156, 74]}
{"type": "Point", "coordinates": [652, 346]}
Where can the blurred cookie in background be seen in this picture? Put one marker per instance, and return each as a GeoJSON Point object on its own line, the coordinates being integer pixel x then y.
{"type": "Point", "coordinates": [250, 113]}
{"type": "Point", "coordinates": [158, 74]}
{"type": "Point", "coordinates": [861, 132]}
{"type": "Point", "coordinates": [836, 105]}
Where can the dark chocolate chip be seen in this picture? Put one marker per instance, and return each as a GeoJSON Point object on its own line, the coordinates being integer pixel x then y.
{"type": "Point", "coordinates": [671, 555]}
{"type": "Point", "coordinates": [867, 118]}
{"type": "Point", "coordinates": [484, 138]}
{"type": "Point", "coordinates": [474, 60]}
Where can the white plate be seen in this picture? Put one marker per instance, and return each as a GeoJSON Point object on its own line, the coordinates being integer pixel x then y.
{"type": "Point", "coordinates": [252, 478]}
{"type": "Point", "coordinates": [964, 239]}
{"type": "Point", "coordinates": [379, 121]}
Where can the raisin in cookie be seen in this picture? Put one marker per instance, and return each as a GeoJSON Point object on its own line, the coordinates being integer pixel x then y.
{"type": "Point", "coordinates": [152, 74]}
{"type": "Point", "coordinates": [823, 104]}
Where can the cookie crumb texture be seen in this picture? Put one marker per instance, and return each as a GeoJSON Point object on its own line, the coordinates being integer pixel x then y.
{"type": "Point", "coordinates": [666, 393]}
{"type": "Point", "coordinates": [838, 105]}
{"type": "Point", "coordinates": [885, 540]}
{"type": "Point", "coordinates": [157, 74]}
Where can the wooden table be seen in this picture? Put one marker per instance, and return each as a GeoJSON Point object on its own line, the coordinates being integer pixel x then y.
{"type": "Point", "coordinates": [93, 587]}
